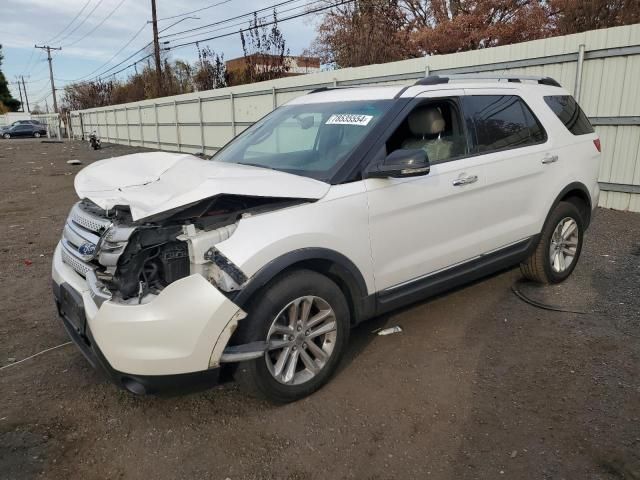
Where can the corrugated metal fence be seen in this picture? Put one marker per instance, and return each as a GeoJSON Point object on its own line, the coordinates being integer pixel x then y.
{"type": "Point", "coordinates": [601, 68]}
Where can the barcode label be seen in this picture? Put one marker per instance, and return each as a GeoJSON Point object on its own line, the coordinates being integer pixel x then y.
{"type": "Point", "coordinates": [349, 119]}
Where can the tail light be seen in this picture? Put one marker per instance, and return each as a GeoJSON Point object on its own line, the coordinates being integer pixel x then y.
{"type": "Point", "coordinates": [596, 142]}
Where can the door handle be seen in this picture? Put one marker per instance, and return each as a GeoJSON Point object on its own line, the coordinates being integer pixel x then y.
{"type": "Point", "coordinates": [550, 159]}
{"type": "Point", "coordinates": [465, 180]}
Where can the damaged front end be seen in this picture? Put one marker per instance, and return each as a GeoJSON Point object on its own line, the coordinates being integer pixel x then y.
{"type": "Point", "coordinates": [133, 261]}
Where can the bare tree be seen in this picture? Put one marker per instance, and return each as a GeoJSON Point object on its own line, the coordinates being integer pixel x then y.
{"type": "Point", "coordinates": [210, 71]}
{"type": "Point", "coordinates": [572, 16]}
{"type": "Point", "coordinates": [363, 33]}
{"type": "Point", "coordinates": [265, 52]}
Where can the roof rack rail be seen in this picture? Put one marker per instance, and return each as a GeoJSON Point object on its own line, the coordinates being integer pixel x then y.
{"type": "Point", "coordinates": [319, 89]}
{"type": "Point", "coordinates": [437, 79]}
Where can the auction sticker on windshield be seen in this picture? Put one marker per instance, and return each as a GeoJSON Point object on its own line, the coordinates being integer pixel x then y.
{"type": "Point", "coordinates": [349, 119]}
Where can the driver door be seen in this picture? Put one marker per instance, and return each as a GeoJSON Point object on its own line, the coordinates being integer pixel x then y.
{"type": "Point", "coordinates": [422, 225]}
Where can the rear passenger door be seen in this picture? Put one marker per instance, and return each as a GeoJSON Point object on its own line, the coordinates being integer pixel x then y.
{"type": "Point", "coordinates": [512, 144]}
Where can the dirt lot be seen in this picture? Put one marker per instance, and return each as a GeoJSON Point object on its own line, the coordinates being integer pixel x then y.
{"type": "Point", "coordinates": [479, 384]}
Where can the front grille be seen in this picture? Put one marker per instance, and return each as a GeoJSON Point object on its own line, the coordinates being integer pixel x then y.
{"type": "Point", "coordinates": [78, 265]}
{"type": "Point", "coordinates": [90, 218]}
{"type": "Point", "coordinates": [81, 237]}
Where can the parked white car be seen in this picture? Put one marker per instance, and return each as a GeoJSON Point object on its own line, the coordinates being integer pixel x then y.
{"type": "Point", "coordinates": [341, 205]}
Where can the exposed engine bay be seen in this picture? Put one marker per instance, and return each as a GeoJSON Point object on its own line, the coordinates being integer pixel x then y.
{"type": "Point", "coordinates": [131, 260]}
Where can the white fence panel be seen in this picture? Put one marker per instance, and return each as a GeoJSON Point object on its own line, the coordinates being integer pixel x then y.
{"type": "Point", "coordinates": [600, 68]}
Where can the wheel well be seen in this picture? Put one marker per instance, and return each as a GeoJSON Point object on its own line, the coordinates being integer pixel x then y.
{"type": "Point", "coordinates": [582, 202]}
{"type": "Point", "coordinates": [340, 275]}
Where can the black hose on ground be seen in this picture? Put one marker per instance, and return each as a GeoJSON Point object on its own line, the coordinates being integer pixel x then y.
{"type": "Point", "coordinates": [515, 288]}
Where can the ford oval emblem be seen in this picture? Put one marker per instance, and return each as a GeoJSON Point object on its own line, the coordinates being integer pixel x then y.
{"type": "Point", "coordinates": [87, 249]}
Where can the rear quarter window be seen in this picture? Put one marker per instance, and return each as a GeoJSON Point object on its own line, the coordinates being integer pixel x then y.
{"type": "Point", "coordinates": [500, 122]}
{"type": "Point", "coordinates": [569, 112]}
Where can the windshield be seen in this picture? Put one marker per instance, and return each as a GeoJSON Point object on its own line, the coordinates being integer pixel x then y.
{"type": "Point", "coordinates": [311, 139]}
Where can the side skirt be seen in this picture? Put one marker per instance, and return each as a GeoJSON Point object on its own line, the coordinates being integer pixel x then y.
{"type": "Point", "coordinates": [439, 282]}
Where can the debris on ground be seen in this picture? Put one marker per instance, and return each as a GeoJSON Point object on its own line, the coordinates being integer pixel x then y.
{"type": "Point", "coordinates": [390, 330]}
{"type": "Point", "coordinates": [74, 162]}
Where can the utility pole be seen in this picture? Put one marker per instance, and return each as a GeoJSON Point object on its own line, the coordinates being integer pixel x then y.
{"type": "Point", "coordinates": [20, 90]}
{"type": "Point", "coordinates": [53, 87]}
{"type": "Point", "coordinates": [26, 98]}
{"type": "Point", "coordinates": [156, 48]}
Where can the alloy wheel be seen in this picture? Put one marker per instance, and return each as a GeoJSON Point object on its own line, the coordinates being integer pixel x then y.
{"type": "Point", "coordinates": [564, 244]}
{"type": "Point", "coordinates": [301, 340]}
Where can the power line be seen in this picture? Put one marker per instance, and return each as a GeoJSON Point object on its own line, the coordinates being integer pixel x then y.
{"type": "Point", "coordinates": [97, 26]}
{"type": "Point", "coordinates": [271, 7]}
{"type": "Point", "coordinates": [114, 55]}
{"type": "Point", "coordinates": [315, 2]}
{"type": "Point", "coordinates": [130, 65]}
{"type": "Point", "coordinates": [194, 11]}
{"type": "Point", "coordinates": [291, 17]}
{"type": "Point", "coordinates": [82, 22]}
{"type": "Point", "coordinates": [70, 23]}
{"type": "Point", "coordinates": [28, 62]}
{"type": "Point", "coordinates": [120, 63]}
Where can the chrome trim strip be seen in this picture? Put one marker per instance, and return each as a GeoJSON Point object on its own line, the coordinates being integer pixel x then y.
{"type": "Point", "coordinates": [77, 235]}
{"type": "Point", "coordinates": [71, 260]}
{"type": "Point", "coordinates": [68, 246]}
{"type": "Point", "coordinates": [84, 233]}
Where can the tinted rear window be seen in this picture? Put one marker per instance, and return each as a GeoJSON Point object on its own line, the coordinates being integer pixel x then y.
{"type": "Point", "coordinates": [499, 122]}
{"type": "Point", "coordinates": [570, 113]}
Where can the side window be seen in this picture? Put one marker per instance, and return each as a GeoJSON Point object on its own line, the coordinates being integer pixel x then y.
{"type": "Point", "coordinates": [500, 122]}
{"type": "Point", "coordinates": [434, 126]}
{"type": "Point", "coordinates": [569, 112]}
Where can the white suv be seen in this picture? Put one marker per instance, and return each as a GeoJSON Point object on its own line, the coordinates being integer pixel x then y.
{"type": "Point", "coordinates": [341, 205]}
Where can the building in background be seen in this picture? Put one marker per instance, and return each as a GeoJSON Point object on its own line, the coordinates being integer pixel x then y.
{"type": "Point", "coordinates": [301, 65]}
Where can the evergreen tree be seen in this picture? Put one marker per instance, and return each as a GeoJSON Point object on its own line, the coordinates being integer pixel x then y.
{"type": "Point", "coordinates": [6, 100]}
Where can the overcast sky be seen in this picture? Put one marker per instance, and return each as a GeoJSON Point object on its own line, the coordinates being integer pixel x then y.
{"type": "Point", "coordinates": [93, 39]}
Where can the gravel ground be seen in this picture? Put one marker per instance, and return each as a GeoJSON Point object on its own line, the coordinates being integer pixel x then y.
{"type": "Point", "coordinates": [479, 385]}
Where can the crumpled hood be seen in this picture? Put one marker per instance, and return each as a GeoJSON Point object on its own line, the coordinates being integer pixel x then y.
{"type": "Point", "coordinates": [151, 183]}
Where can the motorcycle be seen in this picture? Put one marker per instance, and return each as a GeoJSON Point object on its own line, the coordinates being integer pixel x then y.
{"type": "Point", "coordinates": [94, 141]}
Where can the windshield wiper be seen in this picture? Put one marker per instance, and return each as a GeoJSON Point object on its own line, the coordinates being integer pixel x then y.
{"type": "Point", "coordinates": [256, 165]}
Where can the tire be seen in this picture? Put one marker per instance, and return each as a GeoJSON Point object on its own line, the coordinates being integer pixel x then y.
{"type": "Point", "coordinates": [36, 134]}
{"type": "Point", "coordinates": [268, 318]}
{"type": "Point", "coordinates": [7, 136]}
{"type": "Point", "coordinates": [539, 267]}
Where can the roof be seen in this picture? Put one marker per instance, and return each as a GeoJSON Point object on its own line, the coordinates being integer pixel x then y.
{"type": "Point", "coordinates": [344, 94]}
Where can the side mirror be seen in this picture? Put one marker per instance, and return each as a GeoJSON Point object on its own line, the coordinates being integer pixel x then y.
{"type": "Point", "coordinates": [402, 163]}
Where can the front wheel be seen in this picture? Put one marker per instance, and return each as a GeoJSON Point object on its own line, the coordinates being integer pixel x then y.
{"type": "Point", "coordinates": [36, 134]}
{"type": "Point", "coordinates": [304, 318]}
{"type": "Point", "coordinates": [7, 136]}
{"type": "Point", "coordinates": [559, 246]}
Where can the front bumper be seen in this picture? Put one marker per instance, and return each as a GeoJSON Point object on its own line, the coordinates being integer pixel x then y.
{"type": "Point", "coordinates": [138, 384]}
{"type": "Point", "coordinates": [182, 331]}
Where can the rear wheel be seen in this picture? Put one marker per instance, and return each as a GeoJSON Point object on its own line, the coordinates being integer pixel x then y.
{"type": "Point", "coordinates": [304, 318]}
{"type": "Point", "coordinates": [559, 246]}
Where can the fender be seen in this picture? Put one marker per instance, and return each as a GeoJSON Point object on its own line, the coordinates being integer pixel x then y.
{"type": "Point", "coordinates": [334, 264]}
{"type": "Point", "coordinates": [571, 187]}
